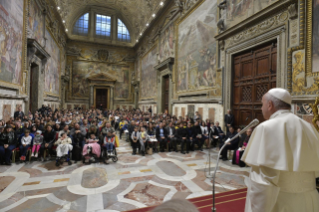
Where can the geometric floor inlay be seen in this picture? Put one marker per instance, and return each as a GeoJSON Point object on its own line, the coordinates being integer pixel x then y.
{"type": "Point", "coordinates": [132, 182]}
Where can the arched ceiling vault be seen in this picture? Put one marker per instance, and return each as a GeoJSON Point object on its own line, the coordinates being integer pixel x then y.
{"type": "Point", "coordinates": [136, 12]}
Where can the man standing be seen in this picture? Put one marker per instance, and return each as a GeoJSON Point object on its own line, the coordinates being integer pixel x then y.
{"type": "Point", "coordinates": [283, 153]}
{"type": "Point", "coordinates": [19, 113]}
{"type": "Point", "coordinates": [229, 120]}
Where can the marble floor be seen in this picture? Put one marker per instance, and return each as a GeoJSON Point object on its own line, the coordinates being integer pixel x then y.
{"type": "Point", "coordinates": [132, 182]}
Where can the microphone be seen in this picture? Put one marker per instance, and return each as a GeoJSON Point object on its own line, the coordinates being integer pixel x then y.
{"type": "Point", "coordinates": [250, 125]}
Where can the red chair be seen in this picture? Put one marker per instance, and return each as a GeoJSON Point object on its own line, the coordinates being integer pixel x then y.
{"type": "Point", "coordinates": [16, 150]}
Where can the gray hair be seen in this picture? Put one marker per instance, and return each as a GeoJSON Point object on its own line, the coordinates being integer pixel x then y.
{"type": "Point", "coordinates": [278, 104]}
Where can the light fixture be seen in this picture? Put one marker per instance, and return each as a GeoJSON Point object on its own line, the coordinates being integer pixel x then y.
{"type": "Point", "coordinates": [162, 3]}
{"type": "Point", "coordinates": [141, 34]}
{"type": "Point", "coordinates": [154, 15]}
{"type": "Point", "coordinates": [66, 30]}
{"type": "Point", "coordinates": [136, 41]}
{"type": "Point", "coordinates": [59, 8]}
{"type": "Point", "coordinates": [63, 21]}
{"type": "Point", "coordinates": [147, 24]}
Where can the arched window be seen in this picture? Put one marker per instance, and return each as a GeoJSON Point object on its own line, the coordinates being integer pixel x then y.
{"type": "Point", "coordinates": [103, 26]}
{"type": "Point", "coordinates": [81, 27]}
{"type": "Point", "coordinates": [122, 32]}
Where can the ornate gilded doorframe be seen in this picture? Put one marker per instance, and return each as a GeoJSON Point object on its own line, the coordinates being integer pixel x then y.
{"type": "Point", "coordinates": [315, 119]}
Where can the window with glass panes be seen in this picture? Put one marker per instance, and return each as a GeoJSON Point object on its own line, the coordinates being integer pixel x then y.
{"type": "Point", "coordinates": [122, 32]}
{"type": "Point", "coordinates": [81, 27]}
{"type": "Point", "coordinates": [103, 26]}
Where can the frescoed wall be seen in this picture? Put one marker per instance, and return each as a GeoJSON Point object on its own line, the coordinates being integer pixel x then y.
{"type": "Point", "coordinates": [196, 64]}
{"type": "Point", "coordinates": [53, 66]}
{"type": "Point", "coordinates": [35, 22]}
{"type": "Point", "coordinates": [167, 43]}
{"type": "Point", "coordinates": [239, 10]}
{"type": "Point", "coordinates": [83, 70]}
{"type": "Point", "coordinates": [148, 74]}
{"type": "Point", "coordinates": [11, 33]}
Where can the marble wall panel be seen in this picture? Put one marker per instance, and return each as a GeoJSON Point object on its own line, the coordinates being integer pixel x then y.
{"type": "Point", "coordinates": [8, 107]}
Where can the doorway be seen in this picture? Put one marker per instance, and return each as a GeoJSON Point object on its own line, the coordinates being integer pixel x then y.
{"type": "Point", "coordinates": [101, 98]}
{"type": "Point", "coordinates": [254, 73]}
{"type": "Point", "coordinates": [165, 92]}
{"type": "Point", "coordinates": [34, 86]}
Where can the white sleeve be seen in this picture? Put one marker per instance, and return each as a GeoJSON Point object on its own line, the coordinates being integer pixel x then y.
{"type": "Point", "coordinates": [22, 140]}
{"type": "Point", "coordinates": [263, 189]}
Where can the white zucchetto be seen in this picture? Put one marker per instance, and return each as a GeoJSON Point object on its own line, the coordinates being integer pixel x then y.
{"type": "Point", "coordinates": [281, 94]}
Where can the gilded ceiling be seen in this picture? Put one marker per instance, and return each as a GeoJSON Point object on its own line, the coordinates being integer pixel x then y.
{"type": "Point", "coordinates": [137, 12]}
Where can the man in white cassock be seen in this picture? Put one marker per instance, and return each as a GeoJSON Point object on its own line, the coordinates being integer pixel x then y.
{"type": "Point", "coordinates": [283, 153]}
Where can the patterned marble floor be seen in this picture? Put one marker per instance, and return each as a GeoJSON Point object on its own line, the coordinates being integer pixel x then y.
{"type": "Point", "coordinates": [132, 182]}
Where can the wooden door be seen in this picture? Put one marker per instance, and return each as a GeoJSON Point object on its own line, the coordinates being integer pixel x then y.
{"type": "Point", "coordinates": [254, 73]}
{"type": "Point", "coordinates": [101, 98]}
{"type": "Point", "coordinates": [165, 96]}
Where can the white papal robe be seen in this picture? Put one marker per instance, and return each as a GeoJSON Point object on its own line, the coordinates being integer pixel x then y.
{"type": "Point", "coordinates": [283, 153]}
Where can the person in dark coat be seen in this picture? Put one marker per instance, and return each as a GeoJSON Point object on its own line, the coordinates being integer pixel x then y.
{"type": "Point", "coordinates": [48, 141]}
{"type": "Point", "coordinates": [161, 136]}
{"type": "Point", "coordinates": [198, 136]}
{"type": "Point", "coordinates": [172, 137]}
{"type": "Point", "coordinates": [229, 120]}
{"type": "Point", "coordinates": [77, 143]}
{"type": "Point", "coordinates": [182, 136]}
{"type": "Point", "coordinates": [18, 114]}
{"type": "Point", "coordinates": [8, 142]}
{"type": "Point", "coordinates": [230, 146]}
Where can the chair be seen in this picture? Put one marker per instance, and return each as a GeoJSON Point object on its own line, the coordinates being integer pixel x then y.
{"type": "Point", "coordinates": [16, 150]}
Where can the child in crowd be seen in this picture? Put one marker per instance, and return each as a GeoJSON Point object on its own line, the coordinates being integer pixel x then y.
{"type": "Point", "coordinates": [26, 142]}
{"type": "Point", "coordinates": [92, 142]}
{"type": "Point", "coordinates": [37, 141]}
{"type": "Point", "coordinates": [135, 138]}
{"type": "Point", "coordinates": [64, 144]}
{"type": "Point", "coordinates": [108, 143]}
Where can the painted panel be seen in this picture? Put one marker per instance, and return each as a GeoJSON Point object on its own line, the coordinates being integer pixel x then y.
{"type": "Point", "coordinates": [35, 22]}
{"type": "Point", "coordinates": [239, 10]}
{"type": "Point", "coordinates": [196, 64]}
{"type": "Point", "coordinates": [167, 43]}
{"type": "Point", "coordinates": [53, 66]}
{"type": "Point", "coordinates": [82, 70]}
{"type": "Point", "coordinates": [315, 35]}
{"type": "Point", "coordinates": [11, 32]}
{"type": "Point", "coordinates": [148, 74]}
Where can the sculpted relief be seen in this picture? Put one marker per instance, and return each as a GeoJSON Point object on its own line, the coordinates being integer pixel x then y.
{"type": "Point", "coordinates": [196, 62]}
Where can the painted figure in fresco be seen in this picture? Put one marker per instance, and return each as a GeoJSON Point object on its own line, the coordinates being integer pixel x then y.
{"type": "Point", "coordinates": [298, 75]}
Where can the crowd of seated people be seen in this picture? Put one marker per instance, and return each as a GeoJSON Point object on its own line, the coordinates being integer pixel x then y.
{"type": "Point", "coordinates": [46, 133]}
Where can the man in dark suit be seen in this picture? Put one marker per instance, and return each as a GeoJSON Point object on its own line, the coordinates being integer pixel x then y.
{"type": "Point", "coordinates": [229, 120]}
{"type": "Point", "coordinates": [161, 136]}
{"type": "Point", "coordinates": [171, 134]}
{"type": "Point", "coordinates": [18, 114]}
{"type": "Point", "coordinates": [221, 134]}
{"type": "Point", "coordinates": [230, 146]}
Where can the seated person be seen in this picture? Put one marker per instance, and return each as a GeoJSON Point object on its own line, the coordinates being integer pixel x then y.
{"type": "Point", "coordinates": [239, 153]}
{"type": "Point", "coordinates": [198, 136]}
{"type": "Point", "coordinates": [8, 143]}
{"type": "Point", "coordinates": [182, 135]}
{"type": "Point", "coordinates": [78, 143]}
{"type": "Point", "coordinates": [26, 142]}
{"type": "Point", "coordinates": [135, 138]}
{"type": "Point", "coordinates": [109, 143]}
{"type": "Point", "coordinates": [151, 132]}
{"type": "Point", "coordinates": [161, 136]}
{"type": "Point", "coordinates": [230, 146]}
{"type": "Point", "coordinates": [64, 144]}
{"type": "Point", "coordinates": [37, 142]}
{"type": "Point", "coordinates": [93, 143]}
{"type": "Point", "coordinates": [171, 137]}
{"type": "Point", "coordinates": [48, 140]}
{"type": "Point", "coordinates": [143, 140]}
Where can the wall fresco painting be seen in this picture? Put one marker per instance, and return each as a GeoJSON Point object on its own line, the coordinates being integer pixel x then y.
{"type": "Point", "coordinates": [35, 23]}
{"type": "Point", "coordinates": [196, 66]}
{"type": "Point", "coordinates": [83, 70]}
{"type": "Point", "coordinates": [239, 10]}
{"type": "Point", "coordinates": [167, 43]}
{"type": "Point", "coordinates": [149, 85]}
{"type": "Point", "coordinates": [53, 66]}
{"type": "Point", "coordinates": [11, 32]}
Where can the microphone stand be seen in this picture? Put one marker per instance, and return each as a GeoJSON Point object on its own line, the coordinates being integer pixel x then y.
{"type": "Point", "coordinates": [215, 171]}
{"type": "Point", "coordinates": [208, 175]}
